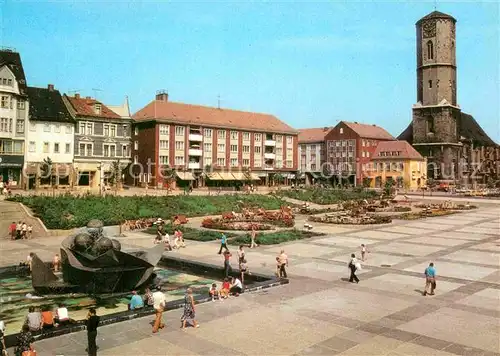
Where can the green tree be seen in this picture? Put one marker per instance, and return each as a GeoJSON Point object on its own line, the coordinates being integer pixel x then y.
{"type": "Point", "coordinates": [367, 182]}
{"type": "Point", "coordinates": [168, 174]}
{"type": "Point", "coordinates": [46, 169]}
{"type": "Point", "coordinates": [389, 183]}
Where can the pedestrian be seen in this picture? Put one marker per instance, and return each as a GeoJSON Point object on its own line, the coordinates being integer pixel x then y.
{"type": "Point", "coordinates": [30, 232]}
{"type": "Point", "coordinates": [253, 233]}
{"type": "Point", "coordinates": [189, 310]}
{"type": "Point", "coordinates": [12, 230]}
{"type": "Point", "coordinates": [18, 230]}
{"type": "Point", "coordinates": [24, 230]}
{"type": "Point", "coordinates": [29, 261]}
{"type": "Point", "coordinates": [159, 303]}
{"type": "Point", "coordinates": [148, 298]}
{"type": "Point", "coordinates": [227, 263]}
{"type": "Point", "coordinates": [241, 254]}
{"type": "Point", "coordinates": [3, 348]}
{"type": "Point", "coordinates": [223, 243]}
{"type": "Point", "coordinates": [283, 262]}
{"type": "Point", "coordinates": [236, 287]}
{"type": "Point", "coordinates": [354, 265]}
{"type": "Point", "coordinates": [243, 270]}
{"type": "Point", "coordinates": [56, 263]}
{"type": "Point", "coordinates": [25, 342]}
{"type": "Point", "coordinates": [363, 252]}
{"type": "Point", "coordinates": [430, 279]}
{"type": "Point", "coordinates": [92, 322]}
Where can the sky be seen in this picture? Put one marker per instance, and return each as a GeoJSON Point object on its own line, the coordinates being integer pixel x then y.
{"type": "Point", "coordinates": [311, 64]}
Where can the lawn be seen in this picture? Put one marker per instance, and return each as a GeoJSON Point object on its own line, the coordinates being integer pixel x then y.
{"type": "Point", "coordinates": [68, 211]}
{"type": "Point", "coordinates": [274, 238]}
{"type": "Point", "coordinates": [328, 195]}
{"type": "Point", "coordinates": [192, 234]}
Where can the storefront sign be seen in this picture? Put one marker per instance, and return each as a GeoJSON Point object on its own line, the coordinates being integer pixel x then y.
{"type": "Point", "coordinates": [8, 161]}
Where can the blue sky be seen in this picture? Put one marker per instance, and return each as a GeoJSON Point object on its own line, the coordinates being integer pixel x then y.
{"type": "Point", "coordinates": [311, 63]}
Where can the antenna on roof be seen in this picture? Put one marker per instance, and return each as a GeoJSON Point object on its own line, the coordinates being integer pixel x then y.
{"type": "Point", "coordinates": [95, 90]}
{"type": "Point", "coordinates": [218, 101]}
{"type": "Point", "coordinates": [74, 91]}
{"type": "Point", "coordinates": [435, 5]}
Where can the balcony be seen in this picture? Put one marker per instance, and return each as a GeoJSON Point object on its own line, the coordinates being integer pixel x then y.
{"type": "Point", "coordinates": [268, 168]}
{"type": "Point", "coordinates": [269, 155]}
{"type": "Point", "coordinates": [196, 152]}
{"type": "Point", "coordinates": [194, 165]}
{"type": "Point", "coordinates": [195, 137]}
{"type": "Point", "coordinates": [270, 143]}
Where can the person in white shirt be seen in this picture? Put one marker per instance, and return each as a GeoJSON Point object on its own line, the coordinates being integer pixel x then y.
{"type": "Point", "coordinates": [62, 315]}
{"type": "Point", "coordinates": [236, 287]}
{"type": "Point", "coordinates": [159, 303]}
{"type": "Point", "coordinates": [354, 266]}
{"type": "Point", "coordinates": [24, 230]}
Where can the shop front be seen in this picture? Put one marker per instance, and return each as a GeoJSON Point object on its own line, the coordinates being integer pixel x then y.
{"type": "Point", "coordinates": [11, 170]}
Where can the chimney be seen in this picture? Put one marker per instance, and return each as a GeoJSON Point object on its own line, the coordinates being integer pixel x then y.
{"type": "Point", "coordinates": [50, 87]}
{"type": "Point", "coordinates": [161, 95]}
{"type": "Point", "coordinates": [88, 97]}
{"type": "Point", "coordinates": [77, 96]}
{"type": "Point", "coordinates": [325, 129]}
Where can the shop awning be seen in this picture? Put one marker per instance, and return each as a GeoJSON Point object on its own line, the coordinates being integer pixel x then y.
{"type": "Point", "coordinates": [254, 176]}
{"type": "Point", "coordinates": [214, 176]}
{"type": "Point", "coordinates": [184, 175]}
{"type": "Point", "coordinates": [239, 176]}
{"type": "Point", "coordinates": [226, 176]}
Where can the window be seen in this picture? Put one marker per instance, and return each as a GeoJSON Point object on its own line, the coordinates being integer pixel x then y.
{"type": "Point", "coordinates": [246, 136]}
{"type": "Point", "coordinates": [136, 130]}
{"type": "Point", "coordinates": [164, 129]}
{"type": "Point", "coordinates": [163, 160]}
{"type": "Point", "coordinates": [368, 154]}
{"type": "Point", "coordinates": [246, 162]}
{"type": "Point", "coordinates": [9, 82]}
{"type": "Point", "coordinates": [257, 137]}
{"type": "Point", "coordinates": [68, 129]}
{"type": "Point", "coordinates": [136, 159]}
{"type": "Point", "coordinates": [337, 143]}
{"type": "Point", "coordinates": [179, 131]}
{"type": "Point", "coordinates": [106, 130]}
{"type": "Point", "coordinates": [387, 166]}
{"type": "Point", "coordinates": [234, 135]}
{"type": "Point", "coordinates": [56, 147]}
{"type": "Point", "coordinates": [363, 143]}
{"type": "Point", "coordinates": [221, 148]}
{"type": "Point", "coordinates": [20, 126]}
{"type": "Point", "coordinates": [136, 145]}
{"type": "Point", "coordinates": [289, 163]}
{"type": "Point", "coordinates": [45, 147]}
{"type": "Point", "coordinates": [207, 147]}
{"type": "Point", "coordinates": [21, 104]}
{"type": "Point", "coordinates": [341, 131]}
{"type": "Point", "coordinates": [279, 164]}
{"type": "Point", "coordinates": [430, 84]}
{"type": "Point", "coordinates": [289, 140]}
{"type": "Point", "coordinates": [430, 50]}
{"type": "Point", "coordinates": [125, 131]}
{"type": "Point", "coordinates": [234, 162]}
{"type": "Point", "coordinates": [97, 108]}
{"type": "Point", "coordinates": [113, 130]}
{"type": "Point", "coordinates": [32, 126]}
{"type": "Point", "coordinates": [18, 147]}
{"type": "Point", "coordinates": [125, 151]}
{"type": "Point", "coordinates": [363, 154]}
{"type": "Point", "coordinates": [82, 128]}
{"type": "Point", "coordinates": [179, 145]}
{"type": "Point", "coordinates": [368, 143]}
{"type": "Point", "coordinates": [46, 127]}
{"type": "Point", "coordinates": [164, 144]}
{"type": "Point", "coordinates": [5, 102]}
{"type": "Point", "coordinates": [246, 149]}
{"type": "Point", "coordinates": [430, 124]}
{"type": "Point", "coordinates": [313, 167]}
{"type": "Point", "coordinates": [89, 129]}
{"type": "Point", "coordinates": [221, 162]}
{"type": "Point", "coordinates": [221, 134]}
{"type": "Point", "coordinates": [279, 139]}
{"type": "Point", "coordinates": [313, 147]}
{"type": "Point", "coordinates": [32, 146]}
{"type": "Point", "coordinates": [279, 151]}
{"type": "Point", "coordinates": [257, 162]}
{"type": "Point", "coordinates": [344, 143]}
{"type": "Point", "coordinates": [257, 149]}
{"type": "Point", "coordinates": [106, 150]}
{"type": "Point", "coordinates": [289, 152]}
{"type": "Point", "coordinates": [208, 161]}
{"type": "Point", "coordinates": [67, 148]}
{"type": "Point", "coordinates": [207, 133]}
{"type": "Point", "coordinates": [112, 150]}
{"type": "Point", "coordinates": [234, 148]}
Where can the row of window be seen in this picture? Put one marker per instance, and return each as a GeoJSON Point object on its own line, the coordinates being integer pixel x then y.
{"type": "Point", "coordinates": [341, 143]}
{"type": "Point", "coordinates": [46, 147]}
{"type": "Point", "coordinates": [109, 150]}
{"type": "Point", "coordinates": [6, 82]}
{"type": "Point", "coordinates": [233, 162]}
{"type": "Point", "coordinates": [221, 147]}
{"type": "Point", "coordinates": [47, 127]}
{"type": "Point", "coordinates": [368, 143]}
{"type": "Point", "coordinates": [6, 125]}
{"type": "Point", "coordinates": [383, 166]}
{"type": "Point", "coordinates": [390, 154]}
{"type": "Point", "coordinates": [7, 102]}
{"type": "Point", "coordinates": [11, 147]}
{"type": "Point", "coordinates": [221, 134]}
{"type": "Point", "coordinates": [109, 130]}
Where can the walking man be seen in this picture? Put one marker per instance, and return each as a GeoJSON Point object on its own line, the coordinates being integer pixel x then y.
{"type": "Point", "coordinates": [430, 279]}
{"type": "Point", "coordinates": [92, 323]}
{"type": "Point", "coordinates": [354, 265]}
{"type": "Point", "coordinates": [252, 237]}
{"type": "Point", "coordinates": [223, 243]}
{"type": "Point", "coordinates": [283, 261]}
{"type": "Point", "coordinates": [159, 302]}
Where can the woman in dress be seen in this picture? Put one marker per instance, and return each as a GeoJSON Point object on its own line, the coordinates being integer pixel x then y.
{"type": "Point", "coordinates": [189, 310]}
{"type": "Point", "coordinates": [24, 341]}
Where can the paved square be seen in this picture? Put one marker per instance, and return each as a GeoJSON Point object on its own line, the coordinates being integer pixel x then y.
{"type": "Point", "coordinates": [376, 259]}
{"type": "Point", "coordinates": [439, 241]}
{"type": "Point", "coordinates": [488, 298]}
{"type": "Point", "coordinates": [456, 270]}
{"type": "Point", "coordinates": [402, 248]}
{"type": "Point", "coordinates": [303, 250]}
{"type": "Point", "coordinates": [485, 258]}
{"type": "Point", "coordinates": [378, 235]}
{"type": "Point", "coordinates": [407, 230]}
{"type": "Point", "coordinates": [343, 242]}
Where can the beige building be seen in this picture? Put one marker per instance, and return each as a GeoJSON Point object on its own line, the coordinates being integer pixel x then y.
{"type": "Point", "coordinates": [311, 152]}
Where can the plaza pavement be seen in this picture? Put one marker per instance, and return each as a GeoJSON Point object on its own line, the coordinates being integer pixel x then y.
{"type": "Point", "coordinates": [319, 313]}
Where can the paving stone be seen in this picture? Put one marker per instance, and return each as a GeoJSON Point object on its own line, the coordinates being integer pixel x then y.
{"type": "Point", "coordinates": [462, 350]}
{"type": "Point", "coordinates": [338, 344]}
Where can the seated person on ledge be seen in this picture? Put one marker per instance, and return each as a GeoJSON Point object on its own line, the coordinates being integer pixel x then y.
{"type": "Point", "coordinates": [62, 316]}
{"type": "Point", "coordinates": [34, 319]}
{"type": "Point", "coordinates": [47, 318]}
{"type": "Point", "coordinates": [214, 293]}
{"type": "Point", "coordinates": [224, 292]}
{"type": "Point", "coordinates": [136, 301]}
{"type": "Point", "coordinates": [236, 287]}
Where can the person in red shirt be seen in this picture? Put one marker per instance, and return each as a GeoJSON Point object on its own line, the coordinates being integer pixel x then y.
{"type": "Point", "coordinates": [224, 292]}
{"type": "Point", "coordinates": [12, 230]}
{"type": "Point", "coordinates": [227, 263]}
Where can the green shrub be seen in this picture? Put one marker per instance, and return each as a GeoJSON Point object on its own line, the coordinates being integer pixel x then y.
{"type": "Point", "coordinates": [68, 211]}
{"type": "Point", "coordinates": [274, 238]}
{"type": "Point", "coordinates": [328, 196]}
{"type": "Point", "coordinates": [190, 233]}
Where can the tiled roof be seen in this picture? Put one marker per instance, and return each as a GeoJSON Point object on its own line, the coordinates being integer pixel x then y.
{"type": "Point", "coordinates": [47, 105]}
{"type": "Point", "coordinates": [210, 116]}
{"type": "Point", "coordinates": [85, 107]}
{"type": "Point", "coordinates": [406, 151]}
{"type": "Point", "coordinates": [313, 134]}
{"type": "Point", "coordinates": [369, 131]}
{"type": "Point", "coordinates": [13, 61]}
{"type": "Point", "coordinates": [437, 15]}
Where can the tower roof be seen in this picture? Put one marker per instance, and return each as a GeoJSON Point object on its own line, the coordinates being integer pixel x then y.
{"type": "Point", "coordinates": [436, 15]}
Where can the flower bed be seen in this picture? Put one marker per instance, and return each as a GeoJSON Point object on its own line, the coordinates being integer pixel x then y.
{"type": "Point", "coordinates": [223, 224]}
{"type": "Point", "coordinates": [191, 234]}
{"type": "Point", "coordinates": [424, 214]}
{"type": "Point", "coordinates": [328, 196]}
{"type": "Point", "coordinates": [401, 209]}
{"type": "Point", "coordinates": [352, 220]}
{"type": "Point", "coordinates": [68, 211]}
{"type": "Point", "coordinates": [274, 238]}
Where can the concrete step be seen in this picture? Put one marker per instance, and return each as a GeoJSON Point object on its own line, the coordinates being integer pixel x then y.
{"type": "Point", "coordinates": [10, 211]}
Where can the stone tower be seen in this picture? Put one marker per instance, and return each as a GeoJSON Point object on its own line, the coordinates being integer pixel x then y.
{"type": "Point", "coordinates": [436, 116]}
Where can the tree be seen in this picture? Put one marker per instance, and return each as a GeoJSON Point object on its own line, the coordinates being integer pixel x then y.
{"type": "Point", "coordinates": [367, 181]}
{"type": "Point", "coordinates": [389, 183]}
{"type": "Point", "coordinates": [46, 169]}
{"type": "Point", "coordinates": [168, 174]}
{"type": "Point", "coordinates": [399, 182]}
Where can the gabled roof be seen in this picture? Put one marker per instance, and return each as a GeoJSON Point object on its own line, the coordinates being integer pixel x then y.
{"type": "Point", "coordinates": [47, 105]}
{"type": "Point", "coordinates": [122, 110]}
{"type": "Point", "coordinates": [12, 60]}
{"type": "Point", "coordinates": [86, 107]}
{"type": "Point", "coordinates": [369, 131]}
{"type": "Point", "coordinates": [436, 15]}
{"type": "Point", "coordinates": [313, 134]}
{"type": "Point", "coordinates": [404, 149]}
{"type": "Point", "coordinates": [161, 110]}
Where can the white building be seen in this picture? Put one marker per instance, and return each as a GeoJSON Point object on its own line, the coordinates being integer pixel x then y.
{"type": "Point", "coordinates": [49, 137]}
{"type": "Point", "coordinates": [13, 117]}
{"type": "Point", "coordinates": [312, 152]}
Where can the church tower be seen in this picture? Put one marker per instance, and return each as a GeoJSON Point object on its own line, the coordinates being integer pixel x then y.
{"type": "Point", "coordinates": [436, 116]}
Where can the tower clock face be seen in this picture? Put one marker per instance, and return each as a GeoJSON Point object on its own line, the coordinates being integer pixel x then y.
{"type": "Point", "coordinates": [429, 29]}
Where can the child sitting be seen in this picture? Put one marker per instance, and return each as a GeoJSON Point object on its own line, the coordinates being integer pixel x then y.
{"type": "Point", "coordinates": [224, 292]}
{"type": "Point", "coordinates": [214, 293]}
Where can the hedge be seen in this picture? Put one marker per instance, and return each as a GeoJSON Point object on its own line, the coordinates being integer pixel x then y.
{"type": "Point", "coordinates": [328, 196]}
{"type": "Point", "coordinates": [274, 238]}
{"type": "Point", "coordinates": [68, 211]}
{"type": "Point", "coordinates": [192, 234]}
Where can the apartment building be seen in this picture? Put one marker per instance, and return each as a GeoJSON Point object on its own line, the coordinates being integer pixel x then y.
{"type": "Point", "coordinates": [349, 146]}
{"type": "Point", "coordinates": [50, 138]}
{"type": "Point", "coordinates": [14, 107]}
{"type": "Point", "coordinates": [102, 139]}
{"type": "Point", "coordinates": [312, 152]}
{"type": "Point", "coordinates": [226, 145]}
